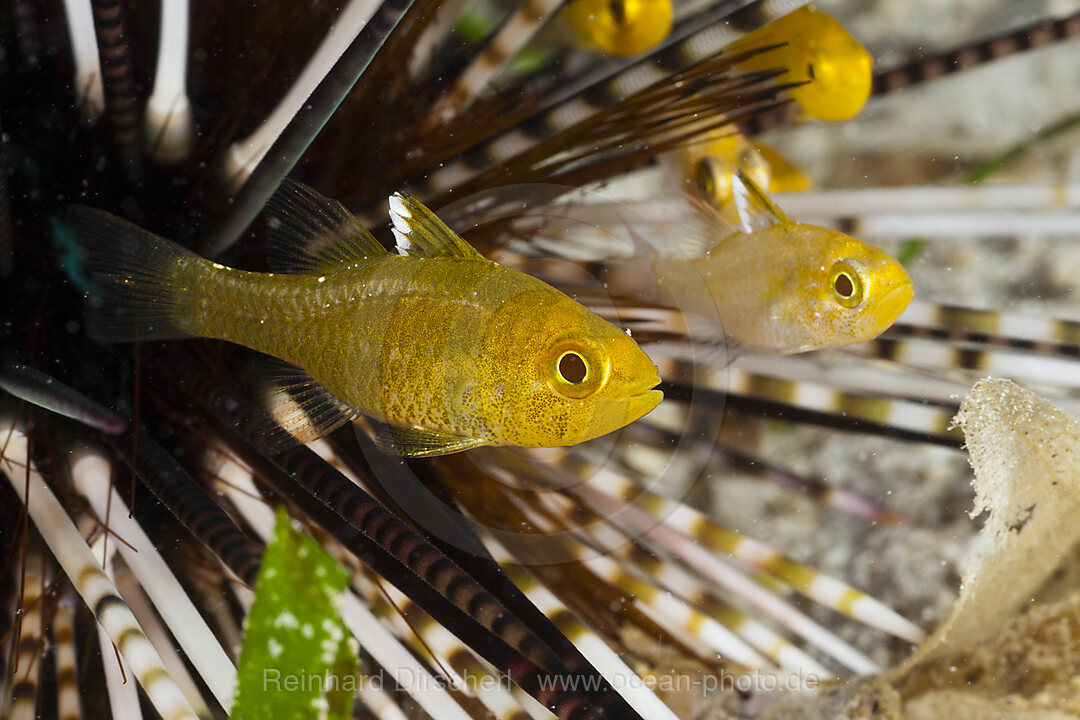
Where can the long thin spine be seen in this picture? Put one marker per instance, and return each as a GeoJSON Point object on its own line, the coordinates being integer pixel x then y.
{"type": "Point", "coordinates": [675, 616]}
{"type": "Point", "coordinates": [722, 572]}
{"type": "Point", "coordinates": [118, 74]}
{"type": "Point", "coordinates": [771, 643]}
{"type": "Point", "coordinates": [206, 520]}
{"type": "Point", "coordinates": [159, 637]}
{"type": "Point", "coordinates": [98, 592]}
{"type": "Point", "coordinates": [817, 586]}
{"type": "Point", "coordinates": [664, 576]}
{"type": "Point", "coordinates": [518, 29]}
{"type": "Point", "coordinates": [598, 652]}
{"type": "Point", "coordinates": [577, 109]}
{"type": "Point", "coordinates": [302, 128]}
{"type": "Point", "coordinates": [40, 389]}
{"type": "Point", "coordinates": [375, 639]}
{"type": "Point", "coordinates": [921, 421]}
{"type": "Point", "coordinates": [379, 702]}
{"type": "Point", "coordinates": [673, 594]}
{"type": "Point", "coordinates": [848, 377]}
{"type": "Point", "coordinates": [449, 652]}
{"type": "Point", "coordinates": [123, 694]}
{"type": "Point", "coordinates": [1035, 333]}
{"type": "Point", "coordinates": [933, 355]}
{"type": "Point", "coordinates": [828, 495]}
{"type": "Point", "coordinates": [674, 610]}
{"type": "Point", "coordinates": [91, 474]}
{"type": "Point", "coordinates": [169, 130]}
{"type": "Point", "coordinates": [89, 92]}
{"type": "Point", "coordinates": [588, 594]}
{"type": "Point", "coordinates": [68, 697]}
{"type": "Point", "coordinates": [1040, 34]}
{"type": "Point", "coordinates": [244, 155]}
{"type": "Point", "coordinates": [951, 225]}
{"type": "Point", "coordinates": [31, 648]}
{"type": "Point", "coordinates": [838, 205]}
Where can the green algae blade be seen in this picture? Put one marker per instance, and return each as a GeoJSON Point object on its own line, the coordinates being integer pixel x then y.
{"type": "Point", "coordinates": [298, 660]}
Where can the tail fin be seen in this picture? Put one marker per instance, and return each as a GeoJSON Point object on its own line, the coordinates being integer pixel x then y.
{"type": "Point", "coordinates": [133, 277]}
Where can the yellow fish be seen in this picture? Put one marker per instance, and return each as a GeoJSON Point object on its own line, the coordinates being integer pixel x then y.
{"type": "Point", "coordinates": [706, 168]}
{"type": "Point", "coordinates": [816, 50]}
{"type": "Point", "coordinates": [779, 286]}
{"type": "Point", "coordinates": [620, 27]}
{"type": "Point", "coordinates": [449, 350]}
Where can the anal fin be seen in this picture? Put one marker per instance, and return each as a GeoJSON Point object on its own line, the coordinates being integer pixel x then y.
{"type": "Point", "coordinates": [417, 442]}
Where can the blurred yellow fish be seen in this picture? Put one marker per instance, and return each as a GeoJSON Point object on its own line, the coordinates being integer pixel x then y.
{"type": "Point", "coordinates": [450, 350]}
{"type": "Point", "coordinates": [816, 50]}
{"type": "Point", "coordinates": [783, 287]}
{"type": "Point", "coordinates": [706, 168]}
{"type": "Point", "coordinates": [620, 27]}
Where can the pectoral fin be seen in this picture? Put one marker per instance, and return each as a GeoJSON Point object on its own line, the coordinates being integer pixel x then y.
{"type": "Point", "coordinates": [416, 442]}
{"type": "Point", "coordinates": [304, 409]}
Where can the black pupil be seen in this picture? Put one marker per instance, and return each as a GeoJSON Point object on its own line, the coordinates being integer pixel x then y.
{"type": "Point", "coordinates": [703, 175]}
{"type": "Point", "coordinates": [844, 286]}
{"type": "Point", "coordinates": [572, 368]}
{"type": "Point", "coordinates": [618, 11]}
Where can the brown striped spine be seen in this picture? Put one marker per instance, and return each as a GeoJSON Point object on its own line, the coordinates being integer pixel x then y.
{"type": "Point", "coordinates": [118, 80]}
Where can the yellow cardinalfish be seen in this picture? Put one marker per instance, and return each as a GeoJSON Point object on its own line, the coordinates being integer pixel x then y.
{"type": "Point", "coordinates": [446, 349]}
{"type": "Point", "coordinates": [816, 50]}
{"type": "Point", "coordinates": [707, 167]}
{"type": "Point", "coordinates": [783, 287]}
{"type": "Point", "coordinates": [620, 27]}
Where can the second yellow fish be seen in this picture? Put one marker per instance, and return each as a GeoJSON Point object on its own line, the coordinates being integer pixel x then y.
{"type": "Point", "coordinates": [779, 286]}
{"type": "Point", "coordinates": [450, 350]}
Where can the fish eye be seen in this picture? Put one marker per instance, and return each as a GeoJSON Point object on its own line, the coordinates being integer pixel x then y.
{"type": "Point", "coordinates": [846, 285]}
{"type": "Point", "coordinates": [707, 179]}
{"type": "Point", "coordinates": [572, 368]}
{"type": "Point", "coordinates": [577, 366]}
{"type": "Point", "coordinates": [618, 11]}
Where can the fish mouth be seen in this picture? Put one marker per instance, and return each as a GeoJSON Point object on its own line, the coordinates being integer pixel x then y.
{"type": "Point", "coordinates": [641, 404]}
{"type": "Point", "coordinates": [891, 306]}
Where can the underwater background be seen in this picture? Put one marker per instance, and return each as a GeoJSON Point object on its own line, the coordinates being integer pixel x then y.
{"type": "Point", "coordinates": [910, 552]}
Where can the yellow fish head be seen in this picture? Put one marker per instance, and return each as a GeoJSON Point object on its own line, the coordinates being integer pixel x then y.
{"type": "Point", "coordinates": [851, 291]}
{"type": "Point", "coordinates": [837, 66]}
{"type": "Point", "coordinates": [574, 375]}
{"type": "Point", "coordinates": [621, 27]}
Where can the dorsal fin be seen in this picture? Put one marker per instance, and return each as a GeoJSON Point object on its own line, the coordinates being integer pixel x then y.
{"type": "Point", "coordinates": [309, 233]}
{"type": "Point", "coordinates": [420, 232]}
{"type": "Point", "coordinates": [755, 210]}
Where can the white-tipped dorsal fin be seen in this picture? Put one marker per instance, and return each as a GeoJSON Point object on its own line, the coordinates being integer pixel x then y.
{"type": "Point", "coordinates": [420, 233]}
{"type": "Point", "coordinates": [308, 233]}
{"type": "Point", "coordinates": [755, 210]}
